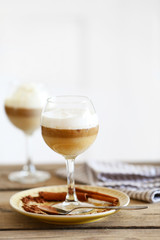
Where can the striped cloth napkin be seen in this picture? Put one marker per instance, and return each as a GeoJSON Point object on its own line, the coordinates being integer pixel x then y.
{"type": "Point", "coordinates": [138, 181]}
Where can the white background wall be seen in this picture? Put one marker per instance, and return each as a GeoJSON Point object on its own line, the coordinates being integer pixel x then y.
{"type": "Point", "coordinates": [108, 50]}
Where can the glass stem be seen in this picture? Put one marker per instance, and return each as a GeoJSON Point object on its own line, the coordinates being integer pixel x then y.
{"type": "Point", "coordinates": [71, 194]}
{"type": "Point", "coordinates": [29, 167]}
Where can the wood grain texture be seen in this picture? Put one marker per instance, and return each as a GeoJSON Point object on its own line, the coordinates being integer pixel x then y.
{"type": "Point", "coordinates": [139, 224]}
{"type": "Point", "coordinates": [87, 234]}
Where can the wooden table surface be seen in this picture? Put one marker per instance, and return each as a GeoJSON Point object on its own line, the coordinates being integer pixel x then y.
{"type": "Point", "coordinates": [142, 224]}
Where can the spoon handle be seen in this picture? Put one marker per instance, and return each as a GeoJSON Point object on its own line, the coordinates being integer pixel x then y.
{"type": "Point", "coordinates": [123, 207]}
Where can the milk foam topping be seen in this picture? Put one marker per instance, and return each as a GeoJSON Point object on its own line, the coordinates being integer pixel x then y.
{"type": "Point", "coordinates": [27, 95]}
{"type": "Point", "coordinates": [69, 119]}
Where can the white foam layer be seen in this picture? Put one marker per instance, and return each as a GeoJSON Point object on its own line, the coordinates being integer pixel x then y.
{"type": "Point", "coordinates": [69, 119]}
{"type": "Point", "coordinates": [28, 95]}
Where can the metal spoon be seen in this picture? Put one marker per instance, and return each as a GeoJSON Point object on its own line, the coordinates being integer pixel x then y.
{"type": "Point", "coordinates": [58, 211]}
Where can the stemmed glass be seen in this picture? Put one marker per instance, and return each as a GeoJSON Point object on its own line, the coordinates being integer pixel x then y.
{"type": "Point", "coordinates": [27, 119]}
{"type": "Point", "coordinates": [69, 126]}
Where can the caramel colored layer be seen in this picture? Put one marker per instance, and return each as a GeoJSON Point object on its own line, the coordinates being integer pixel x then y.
{"type": "Point", "coordinates": [22, 112]}
{"type": "Point", "coordinates": [69, 133]}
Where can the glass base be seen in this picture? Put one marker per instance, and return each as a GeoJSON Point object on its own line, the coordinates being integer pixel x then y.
{"type": "Point", "coordinates": [27, 177]}
{"type": "Point", "coordinates": [71, 205]}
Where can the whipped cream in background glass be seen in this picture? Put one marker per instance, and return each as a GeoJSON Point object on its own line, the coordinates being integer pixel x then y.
{"type": "Point", "coordinates": [24, 106]}
{"type": "Point", "coordinates": [27, 95]}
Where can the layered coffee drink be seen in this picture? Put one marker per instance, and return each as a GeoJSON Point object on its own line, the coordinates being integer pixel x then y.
{"type": "Point", "coordinates": [69, 125]}
{"type": "Point", "coordinates": [27, 120]}
{"type": "Point", "coordinates": [69, 132]}
{"type": "Point", "coordinates": [24, 107]}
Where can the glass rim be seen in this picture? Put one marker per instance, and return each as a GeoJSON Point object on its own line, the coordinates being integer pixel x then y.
{"type": "Point", "coordinates": [83, 98]}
